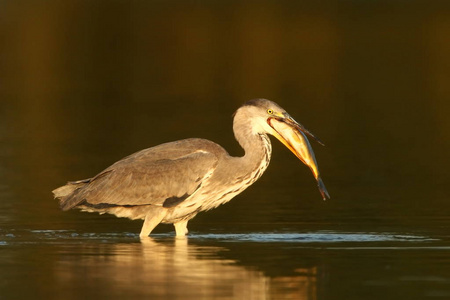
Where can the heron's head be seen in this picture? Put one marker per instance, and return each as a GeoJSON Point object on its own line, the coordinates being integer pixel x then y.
{"type": "Point", "coordinates": [264, 114]}
{"type": "Point", "coordinates": [268, 117]}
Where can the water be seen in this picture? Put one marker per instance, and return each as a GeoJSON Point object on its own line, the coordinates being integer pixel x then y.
{"type": "Point", "coordinates": [83, 84]}
{"type": "Point", "coordinates": [310, 265]}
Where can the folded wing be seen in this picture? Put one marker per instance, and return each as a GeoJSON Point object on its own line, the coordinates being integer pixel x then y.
{"type": "Point", "coordinates": [147, 177]}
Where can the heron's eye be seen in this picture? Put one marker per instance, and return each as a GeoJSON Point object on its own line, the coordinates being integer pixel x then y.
{"type": "Point", "coordinates": [269, 111]}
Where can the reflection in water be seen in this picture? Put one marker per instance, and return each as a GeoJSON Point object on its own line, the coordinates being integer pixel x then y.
{"type": "Point", "coordinates": [67, 264]}
{"type": "Point", "coordinates": [84, 83]}
{"type": "Point", "coordinates": [175, 269]}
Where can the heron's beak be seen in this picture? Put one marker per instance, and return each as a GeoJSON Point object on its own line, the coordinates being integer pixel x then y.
{"type": "Point", "coordinates": [292, 135]}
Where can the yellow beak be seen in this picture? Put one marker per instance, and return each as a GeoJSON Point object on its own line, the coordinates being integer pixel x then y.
{"type": "Point", "coordinates": [292, 135]}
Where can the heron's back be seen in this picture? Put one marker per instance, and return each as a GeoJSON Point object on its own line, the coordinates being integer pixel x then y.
{"type": "Point", "coordinates": [155, 176]}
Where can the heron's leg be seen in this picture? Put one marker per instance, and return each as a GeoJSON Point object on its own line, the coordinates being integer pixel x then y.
{"type": "Point", "coordinates": [153, 218]}
{"type": "Point", "coordinates": [181, 228]}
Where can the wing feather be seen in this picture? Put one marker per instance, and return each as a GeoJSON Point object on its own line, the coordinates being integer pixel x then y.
{"type": "Point", "coordinates": [169, 172]}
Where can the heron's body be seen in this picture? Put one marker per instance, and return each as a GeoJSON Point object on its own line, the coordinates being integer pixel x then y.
{"type": "Point", "coordinates": [172, 182]}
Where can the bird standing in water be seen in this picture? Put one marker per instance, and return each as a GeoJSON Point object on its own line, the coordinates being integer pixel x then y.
{"type": "Point", "coordinates": [173, 182]}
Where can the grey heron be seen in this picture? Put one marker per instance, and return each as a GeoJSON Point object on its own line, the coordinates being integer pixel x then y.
{"type": "Point", "coordinates": [173, 182]}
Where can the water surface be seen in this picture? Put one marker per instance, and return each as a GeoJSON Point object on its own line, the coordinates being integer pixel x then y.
{"type": "Point", "coordinates": [309, 265]}
{"type": "Point", "coordinates": [86, 83]}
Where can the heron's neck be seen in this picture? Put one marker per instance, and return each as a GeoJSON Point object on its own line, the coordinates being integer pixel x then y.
{"type": "Point", "coordinates": [257, 146]}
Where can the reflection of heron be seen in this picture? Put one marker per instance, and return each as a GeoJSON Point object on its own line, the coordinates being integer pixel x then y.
{"type": "Point", "coordinates": [180, 269]}
{"type": "Point", "coordinates": [172, 182]}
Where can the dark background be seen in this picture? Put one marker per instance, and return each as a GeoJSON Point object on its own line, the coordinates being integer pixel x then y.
{"type": "Point", "coordinates": [85, 83]}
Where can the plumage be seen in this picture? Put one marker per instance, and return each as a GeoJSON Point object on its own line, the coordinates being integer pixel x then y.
{"type": "Point", "coordinates": [172, 182]}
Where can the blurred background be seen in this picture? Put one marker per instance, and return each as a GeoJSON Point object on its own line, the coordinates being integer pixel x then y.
{"type": "Point", "coordinates": [85, 83]}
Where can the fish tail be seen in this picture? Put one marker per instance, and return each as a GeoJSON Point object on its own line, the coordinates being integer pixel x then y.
{"type": "Point", "coordinates": [323, 189]}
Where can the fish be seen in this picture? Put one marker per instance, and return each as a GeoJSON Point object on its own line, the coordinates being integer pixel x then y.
{"type": "Point", "coordinates": [293, 135]}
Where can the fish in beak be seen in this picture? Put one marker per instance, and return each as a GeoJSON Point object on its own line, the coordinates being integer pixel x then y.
{"type": "Point", "coordinates": [293, 135]}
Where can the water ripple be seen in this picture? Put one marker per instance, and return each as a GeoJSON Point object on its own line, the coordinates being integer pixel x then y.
{"type": "Point", "coordinates": [321, 237]}
{"type": "Point", "coordinates": [317, 237]}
